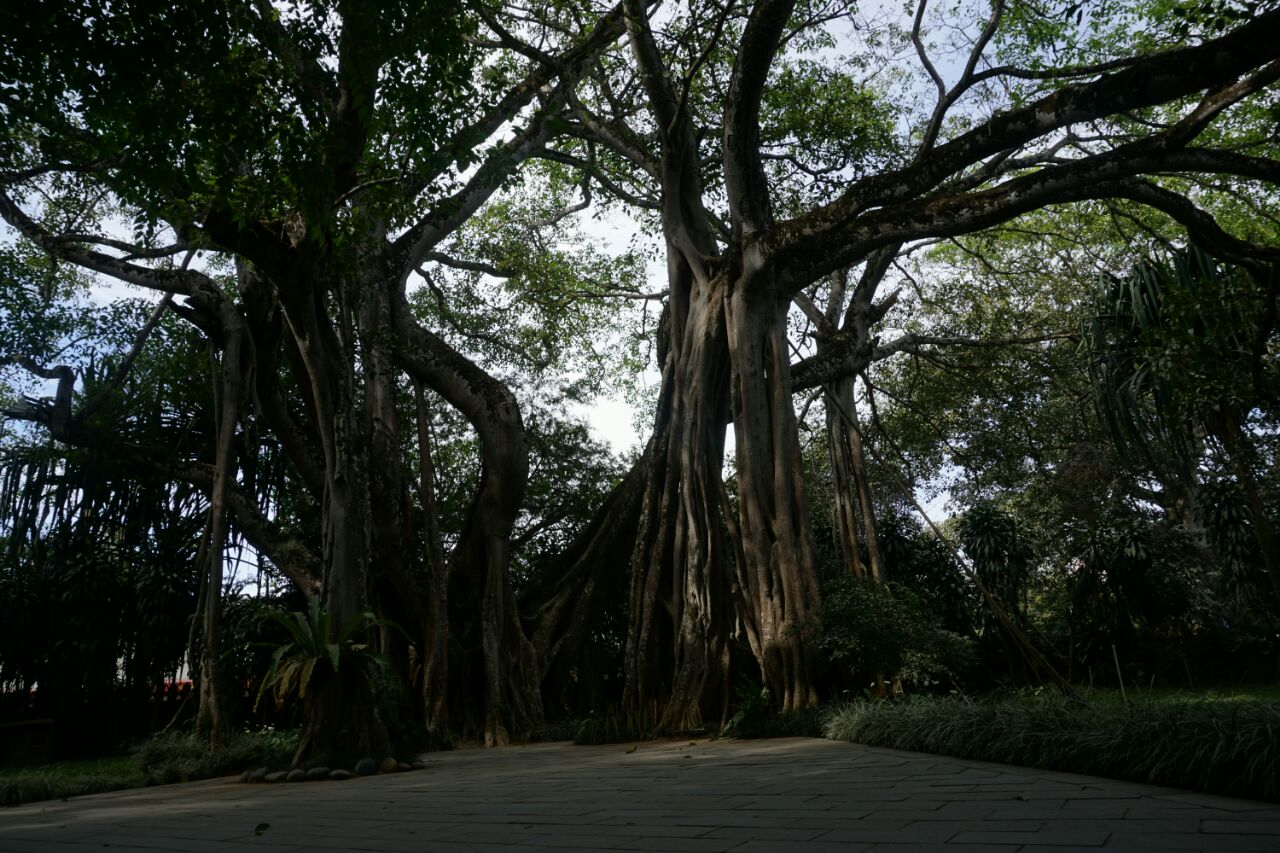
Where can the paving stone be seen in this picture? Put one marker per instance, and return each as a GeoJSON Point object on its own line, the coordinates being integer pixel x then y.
{"type": "Point", "coordinates": [637, 830]}
{"type": "Point", "coordinates": [793, 834]}
{"type": "Point", "coordinates": [1202, 841]}
{"type": "Point", "coordinates": [1214, 802]}
{"type": "Point", "coordinates": [1075, 838]}
{"type": "Point", "coordinates": [682, 845]}
{"type": "Point", "coordinates": [782, 795]}
{"type": "Point", "coordinates": [914, 834]}
{"type": "Point", "coordinates": [765, 846]}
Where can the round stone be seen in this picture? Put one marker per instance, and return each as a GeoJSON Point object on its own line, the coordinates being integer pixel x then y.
{"type": "Point", "coordinates": [340, 774]}
{"type": "Point", "coordinates": [296, 775]}
{"type": "Point", "coordinates": [366, 767]}
{"type": "Point", "coordinates": [278, 776]}
{"type": "Point", "coordinates": [259, 774]}
{"type": "Point", "coordinates": [315, 774]}
{"type": "Point", "coordinates": [388, 765]}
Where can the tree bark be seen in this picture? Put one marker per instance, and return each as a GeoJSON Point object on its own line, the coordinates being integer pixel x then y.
{"type": "Point", "coordinates": [844, 510]}
{"type": "Point", "coordinates": [682, 603]}
{"type": "Point", "coordinates": [853, 499]}
{"type": "Point", "coordinates": [781, 589]}
{"type": "Point", "coordinates": [483, 614]}
{"type": "Point", "coordinates": [434, 648]}
{"type": "Point", "coordinates": [341, 717]}
{"type": "Point", "coordinates": [567, 597]}
{"type": "Point", "coordinates": [213, 716]}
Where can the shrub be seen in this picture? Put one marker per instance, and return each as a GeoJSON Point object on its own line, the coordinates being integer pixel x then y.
{"type": "Point", "coordinates": [755, 717]}
{"type": "Point", "coordinates": [1230, 748]}
{"type": "Point", "coordinates": [184, 756]}
{"type": "Point", "coordinates": [311, 655]}
{"type": "Point", "coordinates": [68, 779]}
{"type": "Point", "coordinates": [871, 629]}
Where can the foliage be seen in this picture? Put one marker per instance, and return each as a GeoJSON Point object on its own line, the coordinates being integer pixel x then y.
{"type": "Point", "coordinates": [1000, 552]}
{"type": "Point", "coordinates": [873, 630]}
{"type": "Point", "coordinates": [312, 655]}
{"type": "Point", "coordinates": [609, 728]}
{"type": "Point", "coordinates": [96, 584]}
{"type": "Point", "coordinates": [1134, 579]}
{"type": "Point", "coordinates": [185, 756]}
{"type": "Point", "coordinates": [919, 561]}
{"type": "Point", "coordinates": [250, 634]}
{"type": "Point", "coordinates": [1222, 747]}
{"type": "Point", "coordinates": [1229, 531]}
{"type": "Point", "coordinates": [68, 779]}
{"type": "Point", "coordinates": [295, 137]}
{"type": "Point", "coordinates": [556, 730]}
{"type": "Point", "coordinates": [190, 138]}
{"type": "Point", "coordinates": [755, 717]}
{"type": "Point", "coordinates": [1172, 344]}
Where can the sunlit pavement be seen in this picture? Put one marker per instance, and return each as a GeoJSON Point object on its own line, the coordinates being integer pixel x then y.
{"type": "Point", "coordinates": [774, 795]}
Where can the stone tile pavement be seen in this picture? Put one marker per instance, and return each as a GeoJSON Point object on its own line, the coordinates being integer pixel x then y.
{"type": "Point", "coordinates": [793, 794]}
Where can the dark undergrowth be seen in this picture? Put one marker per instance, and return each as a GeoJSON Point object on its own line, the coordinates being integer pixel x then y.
{"type": "Point", "coordinates": [63, 779]}
{"type": "Point", "coordinates": [1217, 744]}
{"type": "Point", "coordinates": [185, 756]}
{"type": "Point", "coordinates": [163, 759]}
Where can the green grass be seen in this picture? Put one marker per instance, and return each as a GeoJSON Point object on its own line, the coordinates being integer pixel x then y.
{"type": "Point", "coordinates": [184, 756]}
{"type": "Point", "coordinates": [64, 779]}
{"type": "Point", "coordinates": [1227, 743]}
{"type": "Point", "coordinates": [176, 757]}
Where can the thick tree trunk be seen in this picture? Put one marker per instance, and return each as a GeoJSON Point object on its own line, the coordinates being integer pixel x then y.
{"type": "Point", "coordinates": [504, 674]}
{"type": "Point", "coordinates": [400, 588]}
{"type": "Point", "coordinates": [682, 601]}
{"type": "Point", "coordinates": [844, 510]}
{"type": "Point", "coordinates": [566, 599]}
{"type": "Point", "coordinates": [780, 585]}
{"type": "Point", "coordinates": [341, 717]}
{"type": "Point", "coordinates": [852, 490]}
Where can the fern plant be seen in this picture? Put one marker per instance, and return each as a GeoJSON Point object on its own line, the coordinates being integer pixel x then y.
{"type": "Point", "coordinates": [312, 655]}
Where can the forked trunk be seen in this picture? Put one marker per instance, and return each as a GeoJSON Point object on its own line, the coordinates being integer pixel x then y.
{"type": "Point", "coordinates": [494, 661]}
{"type": "Point", "coordinates": [682, 603]}
{"type": "Point", "coordinates": [779, 583]}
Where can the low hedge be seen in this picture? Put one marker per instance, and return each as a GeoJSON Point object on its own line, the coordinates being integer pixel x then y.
{"type": "Point", "coordinates": [1219, 747]}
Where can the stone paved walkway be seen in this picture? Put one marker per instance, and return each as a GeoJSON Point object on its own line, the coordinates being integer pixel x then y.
{"type": "Point", "coordinates": [778, 795]}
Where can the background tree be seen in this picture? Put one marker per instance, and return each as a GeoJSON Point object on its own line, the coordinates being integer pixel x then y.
{"type": "Point", "coordinates": [341, 175]}
{"type": "Point", "coordinates": [975, 156]}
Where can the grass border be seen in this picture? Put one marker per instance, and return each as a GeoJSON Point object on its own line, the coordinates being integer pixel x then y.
{"type": "Point", "coordinates": [1230, 748]}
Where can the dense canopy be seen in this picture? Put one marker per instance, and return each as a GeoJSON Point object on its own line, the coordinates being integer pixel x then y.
{"type": "Point", "coordinates": [326, 288]}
